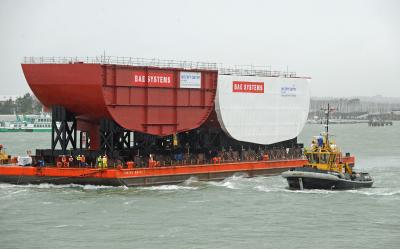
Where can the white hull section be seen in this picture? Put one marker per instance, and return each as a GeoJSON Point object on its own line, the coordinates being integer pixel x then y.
{"type": "Point", "coordinates": [263, 110]}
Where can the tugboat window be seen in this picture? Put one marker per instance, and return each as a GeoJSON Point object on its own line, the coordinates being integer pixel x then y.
{"type": "Point", "coordinates": [315, 158]}
{"type": "Point", "coordinates": [332, 158]}
{"type": "Point", "coordinates": [324, 158]}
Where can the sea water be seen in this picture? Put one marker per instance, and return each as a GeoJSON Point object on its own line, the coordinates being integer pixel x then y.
{"type": "Point", "coordinates": [235, 213]}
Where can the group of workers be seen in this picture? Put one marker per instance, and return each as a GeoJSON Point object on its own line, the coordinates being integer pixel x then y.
{"type": "Point", "coordinates": [67, 161]}
{"type": "Point", "coordinates": [320, 141]}
{"type": "Point", "coordinates": [102, 162]}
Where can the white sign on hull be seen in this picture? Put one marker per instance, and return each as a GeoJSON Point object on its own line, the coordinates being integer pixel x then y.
{"type": "Point", "coordinates": [190, 80]}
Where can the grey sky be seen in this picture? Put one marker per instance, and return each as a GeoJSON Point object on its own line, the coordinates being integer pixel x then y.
{"type": "Point", "coordinates": [348, 47]}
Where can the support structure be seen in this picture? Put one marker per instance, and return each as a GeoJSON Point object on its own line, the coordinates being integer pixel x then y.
{"type": "Point", "coordinates": [119, 143]}
{"type": "Point", "coordinates": [63, 126]}
{"type": "Point", "coordinates": [113, 138]}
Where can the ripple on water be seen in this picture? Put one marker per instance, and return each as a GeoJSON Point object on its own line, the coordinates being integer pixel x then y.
{"type": "Point", "coordinates": [235, 182]}
{"type": "Point", "coordinates": [60, 186]}
{"type": "Point", "coordinates": [226, 184]}
{"type": "Point", "coordinates": [376, 192]}
{"type": "Point", "coordinates": [168, 188]}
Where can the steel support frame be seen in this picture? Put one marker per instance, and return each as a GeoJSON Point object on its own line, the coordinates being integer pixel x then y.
{"type": "Point", "coordinates": [63, 129]}
{"type": "Point", "coordinates": [113, 138]}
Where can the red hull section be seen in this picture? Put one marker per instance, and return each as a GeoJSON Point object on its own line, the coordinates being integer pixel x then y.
{"type": "Point", "coordinates": [145, 176]}
{"type": "Point", "coordinates": [144, 99]}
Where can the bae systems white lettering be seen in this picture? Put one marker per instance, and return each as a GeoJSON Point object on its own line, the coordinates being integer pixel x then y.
{"type": "Point", "coordinates": [237, 87]}
{"type": "Point", "coordinates": [153, 79]}
{"type": "Point", "coordinates": [139, 78]}
{"type": "Point", "coordinates": [251, 87]}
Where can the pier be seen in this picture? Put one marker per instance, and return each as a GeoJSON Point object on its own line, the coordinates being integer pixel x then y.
{"type": "Point", "coordinates": [375, 123]}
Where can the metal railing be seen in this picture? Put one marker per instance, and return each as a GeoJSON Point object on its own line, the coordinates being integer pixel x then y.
{"type": "Point", "coordinates": [238, 70]}
{"type": "Point", "coordinates": [127, 61]}
{"type": "Point", "coordinates": [254, 71]}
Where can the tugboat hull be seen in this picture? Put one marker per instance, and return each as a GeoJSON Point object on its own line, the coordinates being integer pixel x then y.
{"type": "Point", "coordinates": [310, 180]}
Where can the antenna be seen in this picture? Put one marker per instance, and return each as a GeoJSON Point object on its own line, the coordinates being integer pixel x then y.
{"type": "Point", "coordinates": [327, 112]}
{"type": "Point", "coordinates": [327, 120]}
{"type": "Point", "coordinates": [104, 56]}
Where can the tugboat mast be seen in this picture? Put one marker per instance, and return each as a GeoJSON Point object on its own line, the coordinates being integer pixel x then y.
{"type": "Point", "coordinates": [327, 112]}
{"type": "Point", "coordinates": [327, 121]}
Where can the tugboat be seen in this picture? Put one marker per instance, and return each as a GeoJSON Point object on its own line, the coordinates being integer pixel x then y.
{"type": "Point", "coordinates": [325, 168]}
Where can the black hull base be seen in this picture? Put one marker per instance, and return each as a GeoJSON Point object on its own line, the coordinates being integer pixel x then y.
{"type": "Point", "coordinates": [24, 180]}
{"type": "Point", "coordinates": [135, 181]}
{"type": "Point", "coordinates": [315, 183]}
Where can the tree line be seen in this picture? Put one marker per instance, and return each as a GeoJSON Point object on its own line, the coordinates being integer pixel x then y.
{"type": "Point", "coordinates": [26, 104]}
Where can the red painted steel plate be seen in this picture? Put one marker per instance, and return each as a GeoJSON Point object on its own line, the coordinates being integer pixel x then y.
{"type": "Point", "coordinates": [158, 101]}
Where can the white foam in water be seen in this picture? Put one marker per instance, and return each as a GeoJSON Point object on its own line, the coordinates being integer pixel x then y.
{"type": "Point", "coordinates": [48, 185]}
{"type": "Point", "coordinates": [62, 186]}
{"type": "Point", "coordinates": [169, 187]}
{"type": "Point", "coordinates": [282, 188]}
{"type": "Point", "coordinates": [242, 181]}
{"type": "Point", "coordinates": [224, 183]}
{"type": "Point", "coordinates": [230, 185]}
{"type": "Point", "coordinates": [233, 182]}
{"type": "Point", "coordinates": [12, 194]}
{"type": "Point", "coordinates": [198, 201]}
{"type": "Point", "coordinates": [61, 226]}
{"type": "Point", "coordinates": [365, 191]}
{"type": "Point", "coordinates": [269, 189]}
{"type": "Point", "coordinates": [6, 186]}
{"type": "Point", "coordinates": [191, 180]}
{"type": "Point", "coordinates": [96, 187]}
{"type": "Point", "coordinates": [376, 192]}
{"type": "Point", "coordinates": [85, 187]}
{"type": "Point", "coordinates": [316, 191]}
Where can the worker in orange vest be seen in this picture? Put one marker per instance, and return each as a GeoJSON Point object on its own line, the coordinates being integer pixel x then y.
{"type": "Point", "coordinates": [216, 159]}
{"type": "Point", "coordinates": [83, 160]}
{"type": "Point", "coordinates": [153, 163]}
{"type": "Point", "coordinates": [64, 161]}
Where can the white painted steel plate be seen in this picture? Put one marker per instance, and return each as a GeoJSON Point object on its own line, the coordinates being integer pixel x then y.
{"type": "Point", "coordinates": [263, 110]}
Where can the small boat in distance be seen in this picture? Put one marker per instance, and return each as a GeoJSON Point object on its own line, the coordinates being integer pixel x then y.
{"type": "Point", "coordinates": [28, 123]}
{"type": "Point", "coordinates": [325, 168]}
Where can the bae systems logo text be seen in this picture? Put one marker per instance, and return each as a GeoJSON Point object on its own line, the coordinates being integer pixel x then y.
{"type": "Point", "coordinates": [247, 87]}
{"type": "Point", "coordinates": [155, 79]}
